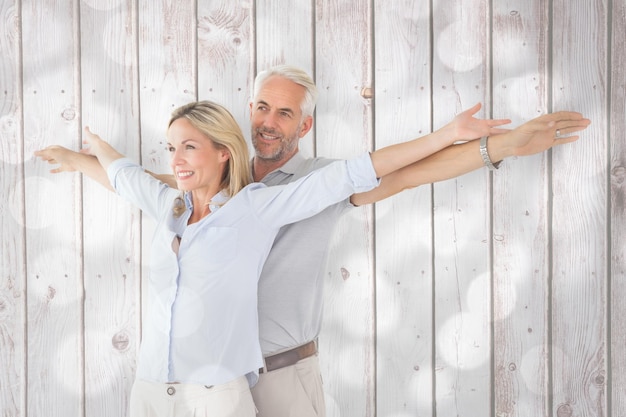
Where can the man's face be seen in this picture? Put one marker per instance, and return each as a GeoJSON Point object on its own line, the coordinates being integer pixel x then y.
{"type": "Point", "coordinates": [276, 119]}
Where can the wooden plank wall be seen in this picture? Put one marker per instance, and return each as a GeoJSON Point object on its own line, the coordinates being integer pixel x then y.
{"type": "Point", "coordinates": [491, 294]}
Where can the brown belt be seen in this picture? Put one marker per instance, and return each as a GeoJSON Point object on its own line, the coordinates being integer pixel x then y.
{"type": "Point", "coordinates": [289, 357]}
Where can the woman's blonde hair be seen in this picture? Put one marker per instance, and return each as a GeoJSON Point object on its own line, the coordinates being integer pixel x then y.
{"type": "Point", "coordinates": [218, 124]}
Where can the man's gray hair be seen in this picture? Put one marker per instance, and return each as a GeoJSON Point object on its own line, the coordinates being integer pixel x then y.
{"type": "Point", "coordinates": [295, 75]}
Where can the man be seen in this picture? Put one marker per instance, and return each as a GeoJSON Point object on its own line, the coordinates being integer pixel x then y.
{"type": "Point", "coordinates": [291, 284]}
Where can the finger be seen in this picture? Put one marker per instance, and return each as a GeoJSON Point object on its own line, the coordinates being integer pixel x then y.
{"type": "Point", "coordinates": [474, 109]}
{"type": "Point", "coordinates": [498, 131]}
{"type": "Point", "coordinates": [570, 129]}
{"type": "Point", "coordinates": [565, 115]}
{"type": "Point", "coordinates": [498, 122]}
{"type": "Point", "coordinates": [564, 140]}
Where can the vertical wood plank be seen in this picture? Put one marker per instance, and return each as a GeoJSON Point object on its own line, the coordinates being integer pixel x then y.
{"type": "Point", "coordinates": [461, 221]}
{"type": "Point", "coordinates": [111, 229]}
{"type": "Point", "coordinates": [167, 80]}
{"type": "Point", "coordinates": [344, 129]}
{"type": "Point", "coordinates": [12, 232]}
{"type": "Point", "coordinates": [579, 219]}
{"type": "Point", "coordinates": [225, 56]}
{"type": "Point", "coordinates": [167, 70]}
{"type": "Point", "coordinates": [284, 31]}
{"type": "Point", "coordinates": [53, 242]}
{"type": "Point", "coordinates": [404, 333]}
{"type": "Point", "coordinates": [521, 211]}
{"type": "Point", "coordinates": [616, 380]}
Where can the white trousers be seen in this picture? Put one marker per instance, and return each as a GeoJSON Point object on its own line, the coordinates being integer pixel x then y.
{"type": "Point", "coordinates": [293, 391]}
{"type": "Point", "coordinates": [151, 399]}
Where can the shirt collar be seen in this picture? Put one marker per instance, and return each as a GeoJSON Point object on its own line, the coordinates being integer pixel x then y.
{"type": "Point", "coordinates": [289, 167]}
{"type": "Point", "coordinates": [217, 201]}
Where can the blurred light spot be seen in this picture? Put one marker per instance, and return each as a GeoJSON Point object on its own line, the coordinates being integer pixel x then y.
{"type": "Point", "coordinates": [463, 341]}
{"type": "Point", "coordinates": [458, 52]}
{"type": "Point", "coordinates": [37, 217]}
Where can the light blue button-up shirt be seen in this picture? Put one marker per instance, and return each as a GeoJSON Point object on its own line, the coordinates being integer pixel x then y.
{"type": "Point", "coordinates": [202, 323]}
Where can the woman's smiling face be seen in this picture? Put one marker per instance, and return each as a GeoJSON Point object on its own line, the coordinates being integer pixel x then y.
{"type": "Point", "coordinates": [196, 161]}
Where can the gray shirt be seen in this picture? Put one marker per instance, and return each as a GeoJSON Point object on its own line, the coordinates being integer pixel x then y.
{"type": "Point", "coordinates": [291, 286]}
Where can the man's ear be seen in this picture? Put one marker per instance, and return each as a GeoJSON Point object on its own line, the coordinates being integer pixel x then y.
{"type": "Point", "coordinates": [307, 124]}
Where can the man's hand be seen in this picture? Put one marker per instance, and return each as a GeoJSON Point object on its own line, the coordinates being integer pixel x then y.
{"type": "Point", "coordinates": [538, 135]}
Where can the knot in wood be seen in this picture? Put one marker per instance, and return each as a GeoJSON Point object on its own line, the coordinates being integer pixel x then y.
{"type": "Point", "coordinates": [564, 410]}
{"type": "Point", "coordinates": [345, 274]}
{"type": "Point", "coordinates": [120, 341]}
{"type": "Point", "coordinates": [69, 114]}
{"type": "Point", "coordinates": [618, 174]}
{"type": "Point", "coordinates": [598, 378]}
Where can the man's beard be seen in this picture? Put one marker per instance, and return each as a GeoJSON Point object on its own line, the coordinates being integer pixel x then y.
{"type": "Point", "coordinates": [286, 146]}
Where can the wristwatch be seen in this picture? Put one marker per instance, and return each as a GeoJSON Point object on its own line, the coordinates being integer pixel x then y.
{"type": "Point", "coordinates": [485, 155]}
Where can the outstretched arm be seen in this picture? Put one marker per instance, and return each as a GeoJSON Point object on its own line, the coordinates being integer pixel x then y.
{"type": "Point", "coordinates": [463, 127]}
{"type": "Point", "coordinates": [72, 161]}
{"type": "Point", "coordinates": [534, 136]}
{"type": "Point", "coordinates": [85, 163]}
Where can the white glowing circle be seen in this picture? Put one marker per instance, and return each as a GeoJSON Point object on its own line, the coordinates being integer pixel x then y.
{"type": "Point", "coordinates": [103, 5]}
{"type": "Point", "coordinates": [46, 191]}
{"type": "Point", "coordinates": [532, 367]}
{"type": "Point", "coordinates": [458, 52]}
{"type": "Point", "coordinates": [518, 93]}
{"type": "Point", "coordinates": [507, 299]}
{"type": "Point", "coordinates": [478, 294]}
{"type": "Point", "coordinates": [463, 341]}
{"type": "Point", "coordinates": [67, 357]}
{"type": "Point", "coordinates": [117, 47]}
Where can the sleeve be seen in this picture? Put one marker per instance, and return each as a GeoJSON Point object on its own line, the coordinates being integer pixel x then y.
{"type": "Point", "coordinates": [135, 185]}
{"type": "Point", "coordinates": [309, 195]}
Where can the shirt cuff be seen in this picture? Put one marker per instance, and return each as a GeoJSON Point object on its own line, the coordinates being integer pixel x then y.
{"type": "Point", "coordinates": [362, 173]}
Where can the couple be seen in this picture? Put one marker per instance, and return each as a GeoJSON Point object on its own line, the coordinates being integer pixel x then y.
{"type": "Point", "coordinates": [200, 347]}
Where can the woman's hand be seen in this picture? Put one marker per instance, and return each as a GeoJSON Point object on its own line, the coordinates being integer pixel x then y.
{"type": "Point", "coordinates": [466, 127]}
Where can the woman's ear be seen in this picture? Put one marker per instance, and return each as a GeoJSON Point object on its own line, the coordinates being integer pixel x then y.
{"type": "Point", "coordinates": [224, 155]}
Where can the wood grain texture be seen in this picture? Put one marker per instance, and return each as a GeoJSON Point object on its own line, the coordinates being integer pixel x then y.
{"type": "Point", "coordinates": [225, 58]}
{"type": "Point", "coordinates": [534, 252]}
{"type": "Point", "coordinates": [12, 232]}
{"type": "Point", "coordinates": [462, 216]}
{"type": "Point", "coordinates": [167, 71]}
{"type": "Point", "coordinates": [616, 379]}
{"type": "Point", "coordinates": [404, 286]}
{"type": "Point", "coordinates": [53, 242]}
{"type": "Point", "coordinates": [520, 215]}
{"type": "Point", "coordinates": [344, 129]}
{"type": "Point", "coordinates": [112, 244]}
{"type": "Point", "coordinates": [579, 220]}
{"type": "Point", "coordinates": [284, 33]}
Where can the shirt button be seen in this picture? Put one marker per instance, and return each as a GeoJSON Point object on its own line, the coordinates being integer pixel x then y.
{"type": "Point", "coordinates": [171, 390]}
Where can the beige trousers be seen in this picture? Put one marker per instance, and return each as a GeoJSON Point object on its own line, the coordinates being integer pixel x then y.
{"type": "Point", "coordinates": [151, 399]}
{"type": "Point", "coordinates": [293, 391]}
